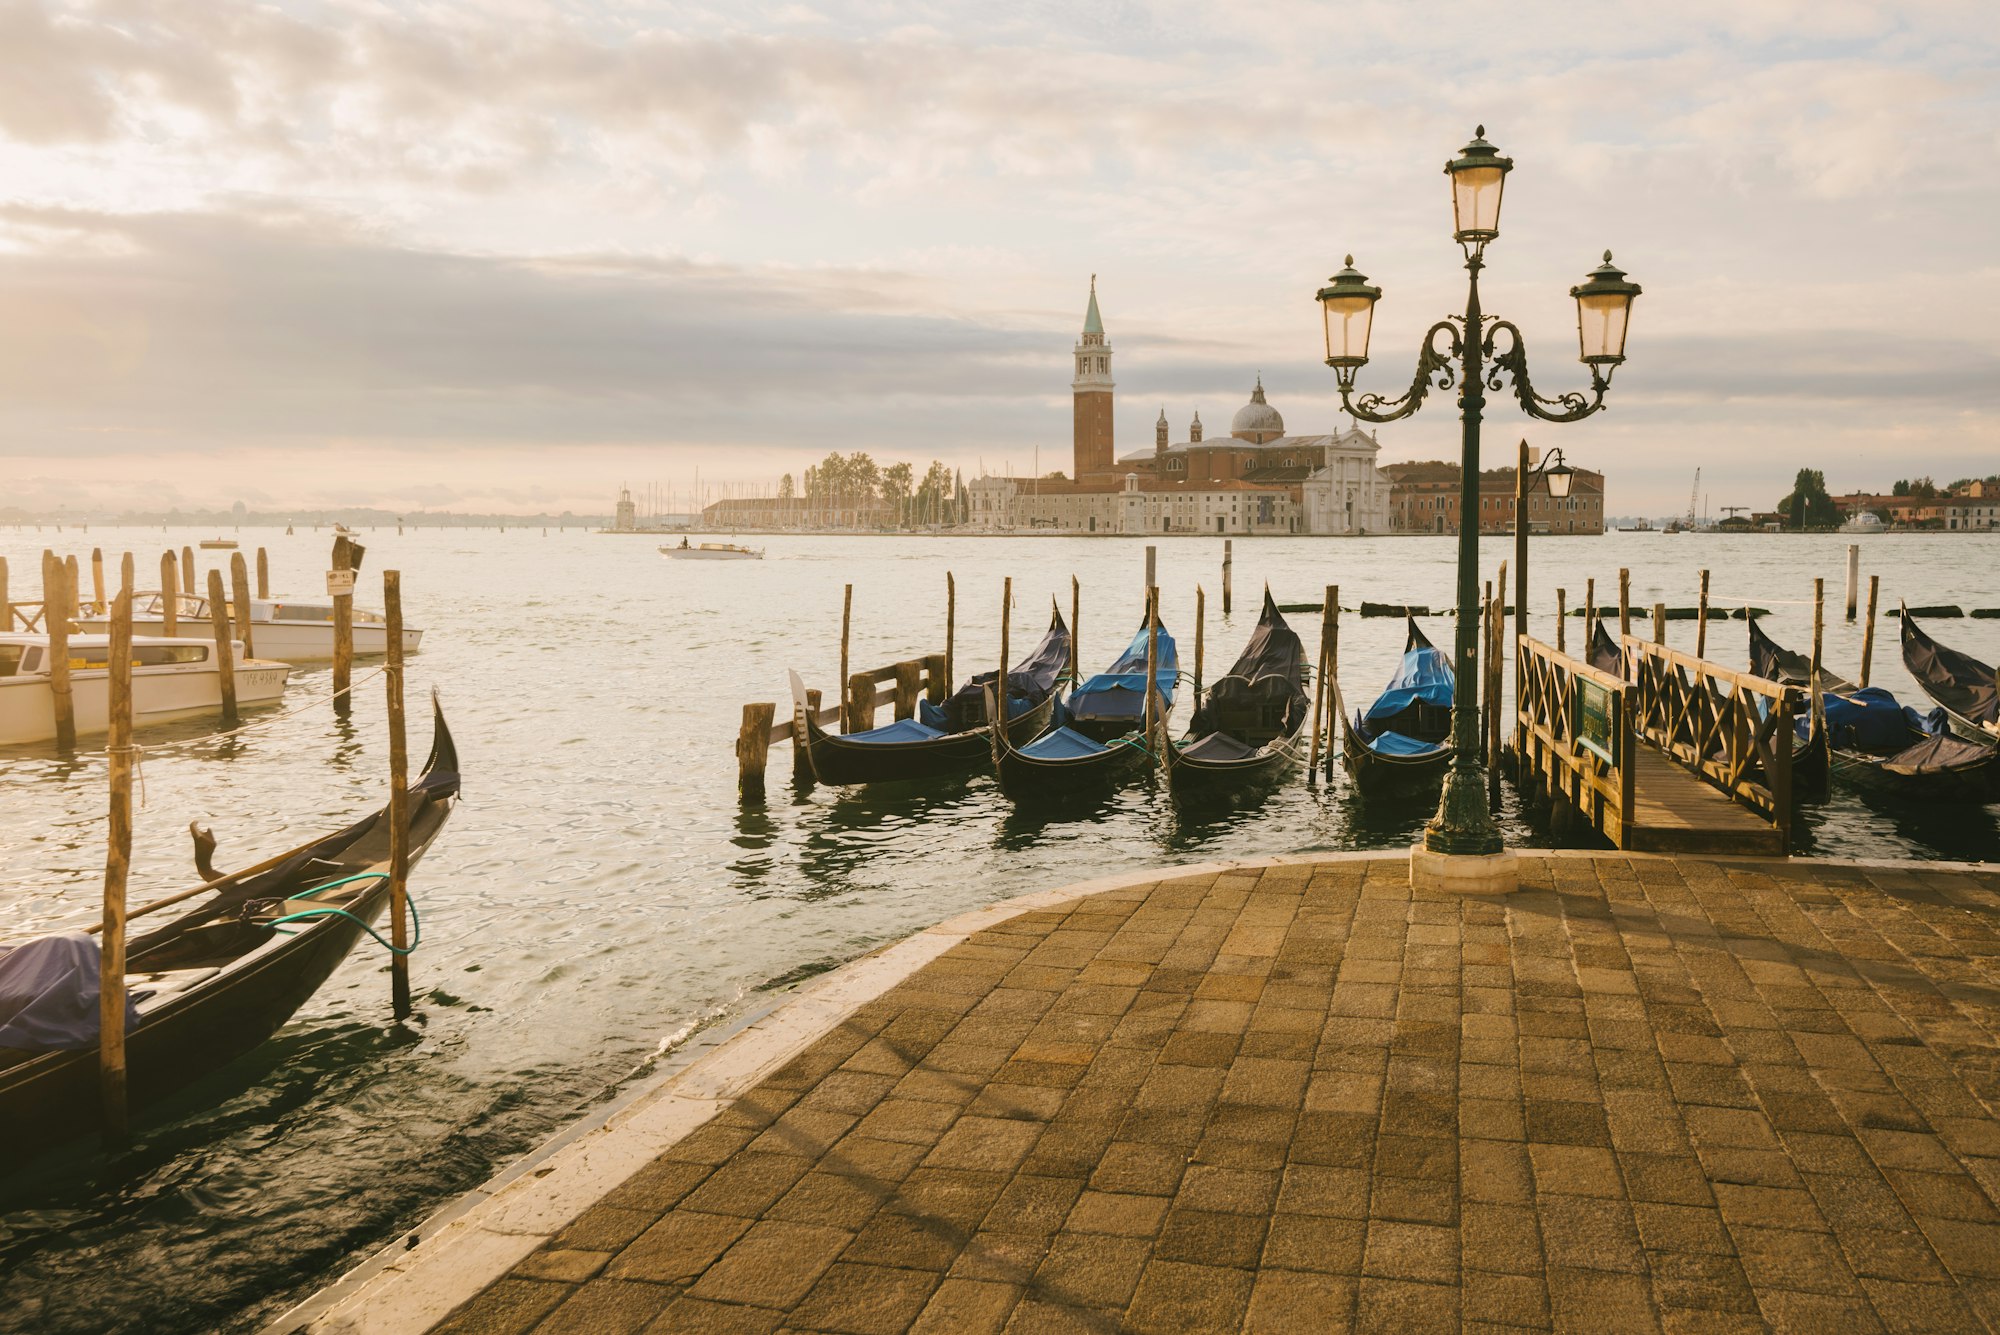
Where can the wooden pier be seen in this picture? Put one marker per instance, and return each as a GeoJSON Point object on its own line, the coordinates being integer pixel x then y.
{"type": "Point", "coordinates": [1685, 757]}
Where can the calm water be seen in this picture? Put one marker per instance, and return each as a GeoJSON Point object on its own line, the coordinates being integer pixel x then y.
{"type": "Point", "coordinates": [600, 893]}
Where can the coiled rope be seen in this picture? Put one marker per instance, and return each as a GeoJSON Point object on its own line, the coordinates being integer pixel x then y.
{"type": "Point", "coordinates": [330, 911]}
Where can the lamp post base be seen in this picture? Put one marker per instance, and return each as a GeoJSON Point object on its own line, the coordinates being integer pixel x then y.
{"type": "Point", "coordinates": [1462, 874]}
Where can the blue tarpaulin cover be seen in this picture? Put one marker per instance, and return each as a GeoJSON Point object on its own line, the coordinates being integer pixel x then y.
{"type": "Point", "coordinates": [902, 730]}
{"type": "Point", "coordinates": [1120, 692]}
{"type": "Point", "coordinates": [1425, 675]}
{"type": "Point", "coordinates": [937, 718]}
{"type": "Point", "coordinates": [1871, 719]}
{"type": "Point", "coordinates": [48, 994]}
{"type": "Point", "coordinates": [1063, 744]}
{"type": "Point", "coordinates": [1396, 744]}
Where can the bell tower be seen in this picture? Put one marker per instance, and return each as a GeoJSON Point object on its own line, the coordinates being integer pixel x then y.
{"type": "Point", "coordinates": [1092, 392]}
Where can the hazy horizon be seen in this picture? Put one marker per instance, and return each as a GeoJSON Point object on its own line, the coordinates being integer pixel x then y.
{"type": "Point", "coordinates": [504, 257]}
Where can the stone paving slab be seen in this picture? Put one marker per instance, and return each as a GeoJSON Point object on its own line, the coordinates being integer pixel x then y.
{"type": "Point", "coordinates": [1643, 1094]}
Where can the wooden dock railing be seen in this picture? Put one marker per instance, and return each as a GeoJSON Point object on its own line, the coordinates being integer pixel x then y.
{"type": "Point", "coordinates": [1573, 734]}
{"type": "Point", "coordinates": [1732, 728]}
{"type": "Point", "coordinates": [905, 681]}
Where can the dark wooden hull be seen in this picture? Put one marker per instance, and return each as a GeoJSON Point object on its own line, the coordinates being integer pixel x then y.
{"type": "Point", "coordinates": [1189, 774]}
{"type": "Point", "coordinates": [53, 1097]}
{"type": "Point", "coordinates": [1026, 778]}
{"type": "Point", "coordinates": [1374, 772]}
{"type": "Point", "coordinates": [835, 760]}
{"type": "Point", "coordinates": [1970, 782]}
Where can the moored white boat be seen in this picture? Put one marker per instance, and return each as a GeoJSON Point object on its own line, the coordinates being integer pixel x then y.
{"type": "Point", "coordinates": [171, 679]}
{"type": "Point", "coordinates": [712, 551]}
{"type": "Point", "coordinates": [218, 544]}
{"type": "Point", "coordinates": [289, 630]}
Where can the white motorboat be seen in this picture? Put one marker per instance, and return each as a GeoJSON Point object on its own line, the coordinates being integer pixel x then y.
{"type": "Point", "coordinates": [1865, 521]}
{"type": "Point", "coordinates": [712, 551]}
{"type": "Point", "coordinates": [291, 630]}
{"type": "Point", "coordinates": [171, 679]}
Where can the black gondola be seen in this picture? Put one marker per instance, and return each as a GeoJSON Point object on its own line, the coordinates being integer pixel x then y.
{"type": "Point", "coordinates": [1403, 741]}
{"type": "Point", "coordinates": [216, 982]}
{"type": "Point", "coordinates": [1957, 682]}
{"type": "Point", "coordinates": [1248, 723]}
{"type": "Point", "coordinates": [942, 739]}
{"type": "Point", "coordinates": [1875, 742]}
{"type": "Point", "coordinates": [1604, 653]}
{"type": "Point", "coordinates": [1101, 742]}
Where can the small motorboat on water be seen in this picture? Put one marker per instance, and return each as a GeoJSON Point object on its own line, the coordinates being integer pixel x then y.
{"type": "Point", "coordinates": [712, 551]}
{"type": "Point", "coordinates": [209, 985]}
{"type": "Point", "coordinates": [291, 630]}
{"type": "Point", "coordinates": [171, 679]}
{"type": "Point", "coordinates": [218, 544]}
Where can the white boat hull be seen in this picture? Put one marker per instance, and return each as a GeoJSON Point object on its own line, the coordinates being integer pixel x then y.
{"type": "Point", "coordinates": [698, 554]}
{"type": "Point", "coordinates": [288, 642]}
{"type": "Point", "coordinates": [159, 695]}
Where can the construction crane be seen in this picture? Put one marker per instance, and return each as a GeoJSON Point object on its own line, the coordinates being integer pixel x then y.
{"type": "Point", "coordinates": [1693, 496]}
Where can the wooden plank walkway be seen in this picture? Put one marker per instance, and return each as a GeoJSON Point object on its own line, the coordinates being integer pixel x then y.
{"type": "Point", "coordinates": [1675, 811]}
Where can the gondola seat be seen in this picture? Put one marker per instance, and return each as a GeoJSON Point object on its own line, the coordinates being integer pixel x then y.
{"type": "Point", "coordinates": [153, 988]}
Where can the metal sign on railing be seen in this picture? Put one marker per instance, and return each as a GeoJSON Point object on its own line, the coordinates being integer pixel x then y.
{"type": "Point", "coordinates": [1596, 713]}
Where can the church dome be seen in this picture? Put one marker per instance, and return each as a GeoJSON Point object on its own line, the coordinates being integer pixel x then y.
{"type": "Point", "coordinates": [1257, 419]}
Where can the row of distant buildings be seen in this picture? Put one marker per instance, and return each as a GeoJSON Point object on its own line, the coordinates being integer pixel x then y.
{"type": "Point", "coordinates": [1973, 508]}
{"type": "Point", "coordinates": [1257, 479]}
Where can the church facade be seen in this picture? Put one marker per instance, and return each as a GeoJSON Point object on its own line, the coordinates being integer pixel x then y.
{"type": "Point", "coordinates": [1256, 479]}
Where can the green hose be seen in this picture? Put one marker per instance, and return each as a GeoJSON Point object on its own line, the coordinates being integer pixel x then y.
{"type": "Point", "coordinates": [416, 921]}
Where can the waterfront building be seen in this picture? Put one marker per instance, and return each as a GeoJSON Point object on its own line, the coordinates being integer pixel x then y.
{"type": "Point", "coordinates": [1256, 479]}
{"type": "Point", "coordinates": [1423, 498]}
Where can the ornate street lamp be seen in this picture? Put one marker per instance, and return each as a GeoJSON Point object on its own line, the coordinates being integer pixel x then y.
{"type": "Point", "coordinates": [1473, 352]}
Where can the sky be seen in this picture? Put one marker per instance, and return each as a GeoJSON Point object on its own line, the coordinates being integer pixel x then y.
{"type": "Point", "coordinates": [509, 254]}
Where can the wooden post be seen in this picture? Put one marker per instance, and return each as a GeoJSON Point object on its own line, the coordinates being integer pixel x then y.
{"type": "Point", "coordinates": [1496, 628]}
{"type": "Point", "coordinates": [343, 631]}
{"type": "Point", "coordinates": [1200, 615]}
{"type": "Point", "coordinates": [399, 799]}
{"type": "Point", "coordinates": [117, 866]}
{"type": "Point", "coordinates": [225, 653]}
{"type": "Point", "coordinates": [1589, 612]}
{"type": "Point", "coordinates": [1659, 623]}
{"type": "Point", "coordinates": [1624, 603]}
{"type": "Point", "coordinates": [97, 603]}
{"type": "Point", "coordinates": [170, 595]}
{"type": "Point", "coordinates": [1701, 620]}
{"type": "Point", "coordinates": [846, 690]}
{"type": "Point", "coordinates": [936, 684]}
{"type": "Point", "coordinates": [1326, 613]}
{"type": "Point", "coordinates": [753, 747]}
{"type": "Point", "coordinates": [263, 573]}
{"type": "Point", "coordinates": [1853, 576]}
{"type": "Point", "coordinates": [187, 571]}
{"type": "Point", "coordinates": [1000, 681]}
{"type": "Point", "coordinates": [239, 582]}
{"type": "Point", "coordinates": [950, 627]}
{"type": "Point", "coordinates": [70, 569]}
{"type": "Point", "coordinates": [1819, 625]}
{"type": "Point", "coordinates": [909, 682]}
{"type": "Point", "coordinates": [1228, 559]}
{"type": "Point", "coordinates": [1868, 635]}
{"type": "Point", "coordinates": [1152, 567]}
{"type": "Point", "coordinates": [55, 621]}
{"type": "Point", "coordinates": [1562, 611]}
{"type": "Point", "coordinates": [6, 603]}
{"type": "Point", "coordinates": [1151, 714]}
{"type": "Point", "coordinates": [1075, 620]}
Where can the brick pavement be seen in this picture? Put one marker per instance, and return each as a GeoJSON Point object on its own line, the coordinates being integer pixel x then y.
{"type": "Point", "coordinates": [1642, 1094]}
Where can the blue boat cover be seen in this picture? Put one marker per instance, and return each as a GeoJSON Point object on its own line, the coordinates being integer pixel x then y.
{"type": "Point", "coordinates": [1063, 744]}
{"type": "Point", "coordinates": [48, 994]}
{"type": "Point", "coordinates": [1034, 677]}
{"type": "Point", "coordinates": [1425, 675]}
{"type": "Point", "coordinates": [1120, 692]}
{"type": "Point", "coordinates": [1870, 719]}
{"type": "Point", "coordinates": [938, 719]}
{"type": "Point", "coordinates": [902, 730]}
{"type": "Point", "coordinates": [1396, 744]}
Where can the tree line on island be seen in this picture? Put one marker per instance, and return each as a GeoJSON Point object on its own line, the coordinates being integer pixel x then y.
{"type": "Point", "coordinates": [1809, 506]}
{"type": "Point", "coordinates": [855, 482]}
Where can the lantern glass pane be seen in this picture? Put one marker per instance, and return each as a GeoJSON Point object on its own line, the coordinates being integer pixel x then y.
{"type": "Point", "coordinates": [1600, 322]}
{"type": "Point", "coordinates": [1347, 322]}
{"type": "Point", "coordinates": [1475, 198]}
{"type": "Point", "coordinates": [1559, 480]}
